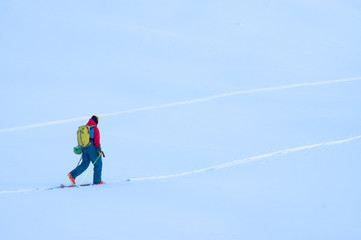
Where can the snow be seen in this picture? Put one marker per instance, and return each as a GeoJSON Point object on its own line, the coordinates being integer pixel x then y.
{"type": "Point", "coordinates": [231, 119]}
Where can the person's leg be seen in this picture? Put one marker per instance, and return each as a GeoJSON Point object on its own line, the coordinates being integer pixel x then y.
{"type": "Point", "coordinates": [97, 177]}
{"type": "Point", "coordinates": [83, 166]}
{"type": "Point", "coordinates": [98, 171]}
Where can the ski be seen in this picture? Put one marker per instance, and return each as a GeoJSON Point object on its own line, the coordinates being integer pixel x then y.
{"type": "Point", "coordinates": [73, 186]}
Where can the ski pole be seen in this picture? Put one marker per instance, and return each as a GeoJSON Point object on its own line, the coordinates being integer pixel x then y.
{"type": "Point", "coordinates": [90, 168]}
{"type": "Point", "coordinates": [81, 158]}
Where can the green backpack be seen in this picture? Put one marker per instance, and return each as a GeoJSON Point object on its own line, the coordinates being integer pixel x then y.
{"type": "Point", "coordinates": [84, 134]}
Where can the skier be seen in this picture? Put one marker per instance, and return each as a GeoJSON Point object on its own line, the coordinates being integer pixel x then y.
{"type": "Point", "coordinates": [93, 154]}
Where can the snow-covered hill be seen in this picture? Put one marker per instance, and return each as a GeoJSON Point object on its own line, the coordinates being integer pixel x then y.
{"type": "Point", "coordinates": [231, 119]}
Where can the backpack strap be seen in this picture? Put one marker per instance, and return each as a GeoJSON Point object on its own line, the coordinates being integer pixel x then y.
{"type": "Point", "coordinates": [91, 132]}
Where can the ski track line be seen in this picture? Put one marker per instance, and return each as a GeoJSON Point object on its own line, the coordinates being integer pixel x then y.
{"type": "Point", "coordinates": [246, 160]}
{"type": "Point", "coordinates": [215, 167]}
{"type": "Point", "coordinates": [194, 101]}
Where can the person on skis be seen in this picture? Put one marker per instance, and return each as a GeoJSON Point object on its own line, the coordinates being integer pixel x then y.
{"type": "Point", "coordinates": [93, 153]}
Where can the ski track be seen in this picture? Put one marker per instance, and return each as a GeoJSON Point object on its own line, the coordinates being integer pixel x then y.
{"type": "Point", "coordinates": [215, 167]}
{"type": "Point", "coordinates": [246, 160]}
{"type": "Point", "coordinates": [194, 101]}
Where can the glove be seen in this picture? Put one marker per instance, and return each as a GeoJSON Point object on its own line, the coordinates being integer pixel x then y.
{"type": "Point", "coordinates": [99, 149]}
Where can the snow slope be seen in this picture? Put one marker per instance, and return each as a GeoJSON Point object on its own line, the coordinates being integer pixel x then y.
{"type": "Point", "coordinates": [232, 119]}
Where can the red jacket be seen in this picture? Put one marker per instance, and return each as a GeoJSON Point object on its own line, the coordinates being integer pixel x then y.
{"type": "Point", "coordinates": [96, 132]}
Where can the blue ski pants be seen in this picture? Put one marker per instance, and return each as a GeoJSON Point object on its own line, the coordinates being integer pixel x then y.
{"type": "Point", "coordinates": [90, 154]}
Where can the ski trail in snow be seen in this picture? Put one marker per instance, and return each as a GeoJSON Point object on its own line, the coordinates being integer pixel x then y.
{"type": "Point", "coordinates": [37, 125]}
{"type": "Point", "coordinates": [22, 190]}
{"type": "Point", "coordinates": [215, 167]}
{"type": "Point", "coordinates": [245, 160]}
{"type": "Point", "coordinates": [193, 101]}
